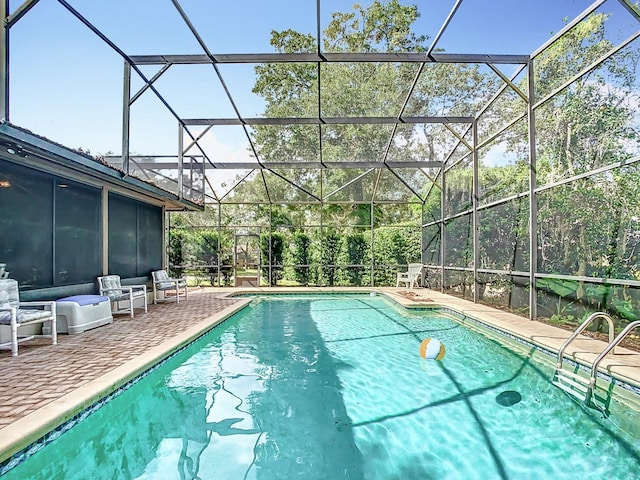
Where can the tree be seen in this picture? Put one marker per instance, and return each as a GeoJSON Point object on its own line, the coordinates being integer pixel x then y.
{"type": "Point", "coordinates": [360, 89]}
{"type": "Point", "coordinates": [394, 247]}
{"type": "Point", "coordinates": [584, 226]}
{"type": "Point", "coordinates": [348, 89]}
{"type": "Point", "coordinates": [208, 254]}
{"type": "Point", "coordinates": [178, 248]}
{"type": "Point", "coordinates": [330, 251]}
{"type": "Point", "coordinates": [301, 256]}
{"type": "Point", "coordinates": [356, 247]}
{"type": "Point", "coordinates": [585, 126]}
{"type": "Point", "coordinates": [272, 251]}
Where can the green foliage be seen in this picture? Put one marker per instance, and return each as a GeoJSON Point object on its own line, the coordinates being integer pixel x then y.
{"type": "Point", "coordinates": [383, 26]}
{"type": "Point", "coordinates": [178, 245]}
{"type": "Point", "coordinates": [597, 294]}
{"type": "Point", "coordinates": [356, 250]}
{"type": "Point", "coordinates": [272, 253]}
{"type": "Point", "coordinates": [301, 255]}
{"type": "Point", "coordinates": [359, 89]}
{"type": "Point", "coordinates": [394, 247]}
{"type": "Point", "coordinates": [558, 319]}
{"type": "Point", "coordinates": [191, 248]}
{"type": "Point", "coordinates": [587, 227]}
{"type": "Point", "coordinates": [208, 252]}
{"type": "Point", "coordinates": [330, 251]}
{"type": "Point", "coordinates": [563, 292]}
{"type": "Point", "coordinates": [561, 288]}
{"type": "Point", "coordinates": [208, 246]}
{"type": "Point", "coordinates": [587, 125]}
{"type": "Point", "coordinates": [624, 308]}
{"type": "Point", "coordinates": [578, 48]}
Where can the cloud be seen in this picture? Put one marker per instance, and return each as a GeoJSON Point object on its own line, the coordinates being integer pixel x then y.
{"type": "Point", "coordinates": [497, 156]}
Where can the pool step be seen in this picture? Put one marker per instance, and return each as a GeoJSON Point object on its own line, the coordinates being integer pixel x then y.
{"type": "Point", "coordinates": [601, 398]}
{"type": "Point", "coordinates": [578, 386]}
{"type": "Point", "coordinates": [572, 383]}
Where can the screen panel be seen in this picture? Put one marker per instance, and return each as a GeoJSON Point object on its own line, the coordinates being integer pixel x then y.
{"type": "Point", "coordinates": [150, 234]}
{"type": "Point", "coordinates": [26, 223]}
{"type": "Point", "coordinates": [122, 236]}
{"type": "Point", "coordinates": [135, 237]}
{"type": "Point", "coordinates": [78, 239]}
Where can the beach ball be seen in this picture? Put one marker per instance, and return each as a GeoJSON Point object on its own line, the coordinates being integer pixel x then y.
{"type": "Point", "coordinates": [431, 349]}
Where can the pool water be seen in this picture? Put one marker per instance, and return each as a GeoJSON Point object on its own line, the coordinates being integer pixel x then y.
{"type": "Point", "coordinates": [333, 387]}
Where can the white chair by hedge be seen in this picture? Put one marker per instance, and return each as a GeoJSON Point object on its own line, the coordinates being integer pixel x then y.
{"type": "Point", "coordinates": [163, 285]}
{"type": "Point", "coordinates": [122, 297]}
{"type": "Point", "coordinates": [14, 315]}
{"type": "Point", "coordinates": [411, 277]}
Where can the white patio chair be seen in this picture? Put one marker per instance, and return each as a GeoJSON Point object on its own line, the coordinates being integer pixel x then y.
{"type": "Point", "coordinates": [163, 284]}
{"type": "Point", "coordinates": [122, 297]}
{"type": "Point", "coordinates": [411, 277]}
{"type": "Point", "coordinates": [15, 316]}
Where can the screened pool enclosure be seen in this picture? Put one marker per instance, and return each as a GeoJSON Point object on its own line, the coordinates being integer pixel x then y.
{"type": "Point", "coordinates": [327, 143]}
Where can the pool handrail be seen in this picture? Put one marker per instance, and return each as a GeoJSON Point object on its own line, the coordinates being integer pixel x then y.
{"type": "Point", "coordinates": [605, 352]}
{"type": "Point", "coordinates": [581, 329]}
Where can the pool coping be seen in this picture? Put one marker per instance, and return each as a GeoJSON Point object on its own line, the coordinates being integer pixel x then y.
{"type": "Point", "coordinates": [27, 431]}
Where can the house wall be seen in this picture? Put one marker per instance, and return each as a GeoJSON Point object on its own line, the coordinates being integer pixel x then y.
{"type": "Point", "coordinates": [57, 233]}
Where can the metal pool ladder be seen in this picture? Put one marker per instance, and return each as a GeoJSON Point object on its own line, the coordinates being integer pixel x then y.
{"type": "Point", "coordinates": [578, 385]}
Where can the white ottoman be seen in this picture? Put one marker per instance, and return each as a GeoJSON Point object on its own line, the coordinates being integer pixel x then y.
{"type": "Point", "coordinates": [82, 312]}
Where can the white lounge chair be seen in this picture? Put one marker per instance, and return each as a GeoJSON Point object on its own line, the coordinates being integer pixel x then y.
{"type": "Point", "coordinates": [110, 286]}
{"type": "Point", "coordinates": [411, 277]}
{"type": "Point", "coordinates": [15, 316]}
{"type": "Point", "coordinates": [163, 284]}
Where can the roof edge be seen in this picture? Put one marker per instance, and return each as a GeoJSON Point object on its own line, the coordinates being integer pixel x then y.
{"type": "Point", "coordinates": [20, 142]}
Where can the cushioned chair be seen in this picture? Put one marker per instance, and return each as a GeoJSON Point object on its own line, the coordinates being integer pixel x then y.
{"type": "Point", "coordinates": [411, 277]}
{"type": "Point", "coordinates": [110, 286]}
{"type": "Point", "coordinates": [13, 314]}
{"type": "Point", "coordinates": [163, 285]}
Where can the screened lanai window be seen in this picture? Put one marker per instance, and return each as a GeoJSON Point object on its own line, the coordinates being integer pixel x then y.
{"type": "Point", "coordinates": [135, 237]}
{"type": "Point", "coordinates": [78, 239]}
{"type": "Point", "coordinates": [54, 219]}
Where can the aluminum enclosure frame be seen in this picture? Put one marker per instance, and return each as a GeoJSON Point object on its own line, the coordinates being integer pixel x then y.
{"type": "Point", "coordinates": [526, 65]}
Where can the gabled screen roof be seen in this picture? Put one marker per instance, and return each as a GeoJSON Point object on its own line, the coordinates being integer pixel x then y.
{"type": "Point", "coordinates": [287, 91]}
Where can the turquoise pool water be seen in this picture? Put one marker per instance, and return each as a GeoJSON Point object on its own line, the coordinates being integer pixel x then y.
{"type": "Point", "coordinates": [333, 387]}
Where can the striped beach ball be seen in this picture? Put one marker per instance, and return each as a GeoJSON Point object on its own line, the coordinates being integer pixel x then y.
{"type": "Point", "coordinates": [431, 349]}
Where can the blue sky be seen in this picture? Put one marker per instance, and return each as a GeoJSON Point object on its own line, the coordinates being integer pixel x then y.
{"type": "Point", "coordinates": [66, 84]}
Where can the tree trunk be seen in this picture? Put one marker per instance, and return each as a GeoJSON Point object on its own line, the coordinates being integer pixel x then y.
{"type": "Point", "coordinates": [567, 149]}
{"type": "Point", "coordinates": [582, 261]}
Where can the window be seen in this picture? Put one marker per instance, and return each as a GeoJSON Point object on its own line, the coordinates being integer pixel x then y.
{"type": "Point", "coordinates": [78, 241]}
{"type": "Point", "coordinates": [50, 228]}
{"type": "Point", "coordinates": [135, 237]}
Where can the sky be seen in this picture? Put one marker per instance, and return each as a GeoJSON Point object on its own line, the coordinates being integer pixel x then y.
{"type": "Point", "coordinates": [66, 83]}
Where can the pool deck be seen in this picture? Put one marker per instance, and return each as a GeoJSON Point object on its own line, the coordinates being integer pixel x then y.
{"type": "Point", "coordinates": [48, 384]}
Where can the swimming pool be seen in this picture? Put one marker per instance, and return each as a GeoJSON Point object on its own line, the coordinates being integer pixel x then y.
{"type": "Point", "coordinates": [333, 387]}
